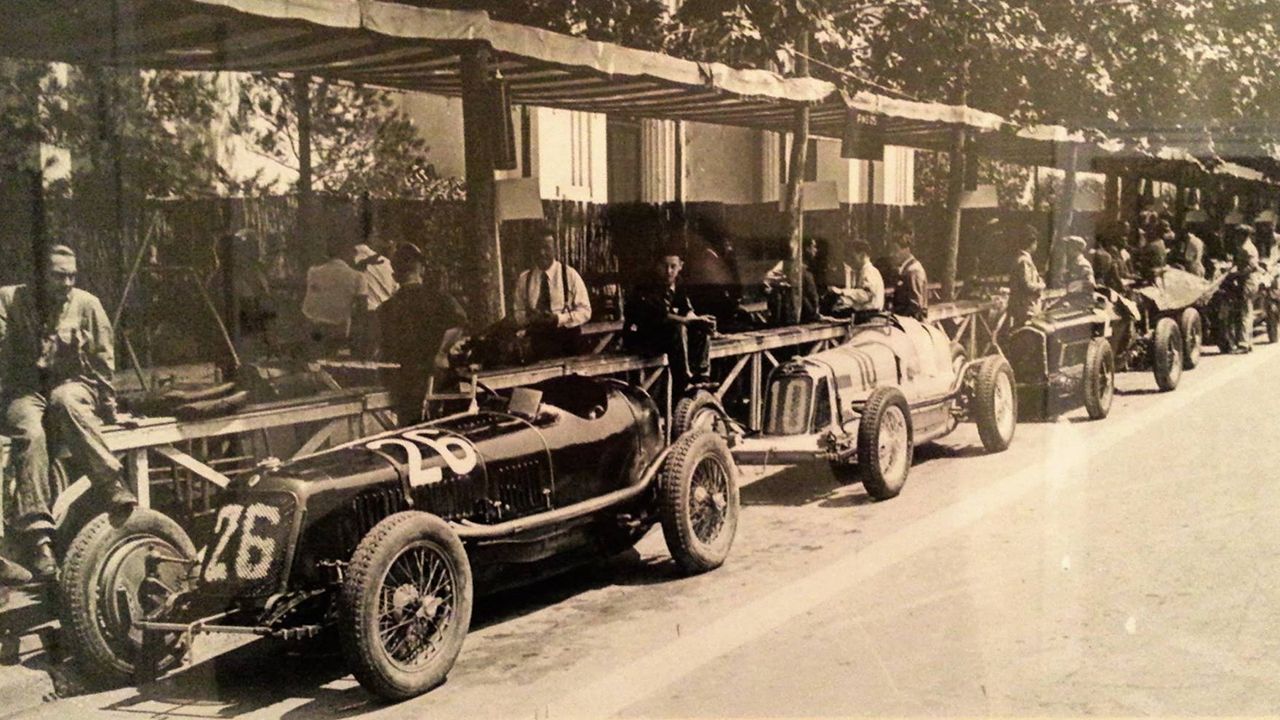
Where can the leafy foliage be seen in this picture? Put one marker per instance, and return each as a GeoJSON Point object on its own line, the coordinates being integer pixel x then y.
{"type": "Point", "coordinates": [361, 142]}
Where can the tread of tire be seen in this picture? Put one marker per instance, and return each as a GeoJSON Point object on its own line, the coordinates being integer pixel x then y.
{"type": "Point", "coordinates": [870, 478]}
{"type": "Point", "coordinates": [988, 371]}
{"type": "Point", "coordinates": [1166, 378]}
{"type": "Point", "coordinates": [682, 415]}
{"type": "Point", "coordinates": [1092, 355]}
{"type": "Point", "coordinates": [671, 499]}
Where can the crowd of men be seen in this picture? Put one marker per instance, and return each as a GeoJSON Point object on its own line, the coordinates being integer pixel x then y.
{"type": "Point", "coordinates": [1123, 254]}
{"type": "Point", "coordinates": [57, 349]}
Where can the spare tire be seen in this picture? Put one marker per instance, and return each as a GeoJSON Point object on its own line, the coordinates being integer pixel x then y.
{"type": "Point", "coordinates": [699, 411]}
{"type": "Point", "coordinates": [104, 588]}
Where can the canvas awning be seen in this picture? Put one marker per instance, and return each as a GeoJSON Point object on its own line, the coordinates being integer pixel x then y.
{"type": "Point", "coordinates": [403, 47]}
{"type": "Point", "coordinates": [410, 48]}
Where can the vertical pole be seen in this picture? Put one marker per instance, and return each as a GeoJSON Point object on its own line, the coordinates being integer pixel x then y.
{"type": "Point", "coordinates": [955, 186]}
{"type": "Point", "coordinates": [306, 197]}
{"type": "Point", "coordinates": [955, 194]}
{"type": "Point", "coordinates": [484, 252]}
{"type": "Point", "coordinates": [1067, 202]}
{"type": "Point", "coordinates": [756, 421]}
{"type": "Point", "coordinates": [1180, 206]}
{"type": "Point", "coordinates": [871, 199]}
{"type": "Point", "coordinates": [795, 180]}
{"type": "Point", "coordinates": [1111, 201]}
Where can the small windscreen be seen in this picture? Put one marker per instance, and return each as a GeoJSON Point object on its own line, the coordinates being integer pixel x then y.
{"type": "Point", "coordinates": [789, 405]}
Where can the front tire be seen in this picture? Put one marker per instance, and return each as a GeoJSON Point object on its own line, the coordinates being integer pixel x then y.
{"type": "Point", "coordinates": [995, 403]}
{"type": "Point", "coordinates": [1192, 328]}
{"type": "Point", "coordinates": [405, 606]}
{"type": "Point", "coordinates": [105, 589]}
{"type": "Point", "coordinates": [1099, 378]}
{"type": "Point", "coordinates": [698, 501]}
{"type": "Point", "coordinates": [885, 443]}
{"type": "Point", "coordinates": [1166, 354]}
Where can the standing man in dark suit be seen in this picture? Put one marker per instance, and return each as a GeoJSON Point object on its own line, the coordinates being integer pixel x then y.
{"type": "Point", "coordinates": [911, 290]}
{"type": "Point", "coordinates": [417, 325]}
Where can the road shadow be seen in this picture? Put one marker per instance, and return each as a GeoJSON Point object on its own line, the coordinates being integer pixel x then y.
{"type": "Point", "coordinates": [934, 451]}
{"type": "Point", "coordinates": [795, 486]}
{"type": "Point", "coordinates": [261, 673]}
{"type": "Point", "coordinates": [248, 679]}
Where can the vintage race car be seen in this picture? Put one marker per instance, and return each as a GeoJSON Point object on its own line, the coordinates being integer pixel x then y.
{"type": "Point", "coordinates": [388, 538]}
{"type": "Point", "coordinates": [865, 405]}
{"type": "Point", "coordinates": [1159, 325]}
{"type": "Point", "coordinates": [1063, 359]}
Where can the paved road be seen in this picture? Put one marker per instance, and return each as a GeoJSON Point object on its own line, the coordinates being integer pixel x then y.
{"type": "Point", "coordinates": [1121, 567]}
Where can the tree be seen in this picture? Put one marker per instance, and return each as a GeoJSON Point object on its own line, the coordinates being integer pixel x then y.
{"type": "Point", "coordinates": [361, 143]}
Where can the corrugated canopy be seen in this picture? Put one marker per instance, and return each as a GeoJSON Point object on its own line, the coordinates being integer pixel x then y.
{"type": "Point", "coordinates": [410, 48]}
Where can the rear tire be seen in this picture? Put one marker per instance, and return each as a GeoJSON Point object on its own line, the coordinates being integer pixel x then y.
{"type": "Point", "coordinates": [1166, 354]}
{"type": "Point", "coordinates": [885, 443]}
{"type": "Point", "coordinates": [1099, 378]}
{"type": "Point", "coordinates": [103, 560]}
{"type": "Point", "coordinates": [698, 501]}
{"type": "Point", "coordinates": [699, 411]}
{"type": "Point", "coordinates": [995, 403]}
{"type": "Point", "coordinates": [1191, 326]}
{"type": "Point", "coordinates": [403, 554]}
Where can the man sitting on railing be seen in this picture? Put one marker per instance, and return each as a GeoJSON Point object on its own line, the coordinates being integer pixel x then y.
{"type": "Point", "coordinates": [551, 303]}
{"type": "Point", "coordinates": [864, 292]}
{"type": "Point", "coordinates": [57, 357]}
{"type": "Point", "coordinates": [660, 318]}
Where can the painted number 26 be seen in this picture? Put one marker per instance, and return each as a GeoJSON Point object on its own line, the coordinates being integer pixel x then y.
{"type": "Point", "coordinates": [243, 521]}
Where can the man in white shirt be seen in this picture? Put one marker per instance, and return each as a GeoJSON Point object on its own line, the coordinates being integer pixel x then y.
{"type": "Point", "coordinates": [380, 283]}
{"type": "Point", "coordinates": [864, 286]}
{"type": "Point", "coordinates": [378, 276]}
{"type": "Point", "coordinates": [335, 293]}
{"type": "Point", "coordinates": [551, 303]}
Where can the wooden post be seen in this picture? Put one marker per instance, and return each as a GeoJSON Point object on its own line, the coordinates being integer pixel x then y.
{"type": "Point", "coordinates": [484, 251]}
{"type": "Point", "coordinates": [795, 182]}
{"type": "Point", "coordinates": [1067, 199]}
{"type": "Point", "coordinates": [1180, 206]}
{"type": "Point", "coordinates": [306, 196]}
{"type": "Point", "coordinates": [1111, 199]}
{"type": "Point", "coordinates": [955, 184]}
{"type": "Point", "coordinates": [955, 194]}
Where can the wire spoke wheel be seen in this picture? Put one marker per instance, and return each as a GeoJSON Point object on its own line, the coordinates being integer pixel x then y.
{"type": "Point", "coordinates": [406, 605]}
{"type": "Point", "coordinates": [415, 605]}
{"type": "Point", "coordinates": [708, 499]}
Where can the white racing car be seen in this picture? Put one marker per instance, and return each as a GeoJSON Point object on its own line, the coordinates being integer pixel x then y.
{"type": "Point", "coordinates": [865, 405]}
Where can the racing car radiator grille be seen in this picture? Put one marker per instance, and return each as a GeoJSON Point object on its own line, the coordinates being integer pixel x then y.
{"type": "Point", "coordinates": [250, 546]}
{"type": "Point", "coordinates": [789, 405]}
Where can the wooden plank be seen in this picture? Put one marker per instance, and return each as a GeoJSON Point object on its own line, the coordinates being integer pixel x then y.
{"type": "Point", "coordinates": [732, 376]}
{"type": "Point", "coordinates": [195, 466]}
{"type": "Point", "coordinates": [138, 469]}
{"type": "Point", "coordinates": [322, 436]}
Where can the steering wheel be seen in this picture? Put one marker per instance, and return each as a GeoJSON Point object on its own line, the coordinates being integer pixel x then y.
{"type": "Point", "coordinates": [886, 315]}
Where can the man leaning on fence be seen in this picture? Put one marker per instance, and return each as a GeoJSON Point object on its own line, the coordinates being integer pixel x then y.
{"type": "Point", "coordinates": [56, 363]}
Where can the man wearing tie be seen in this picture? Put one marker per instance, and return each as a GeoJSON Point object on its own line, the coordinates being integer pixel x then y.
{"type": "Point", "coordinates": [551, 303]}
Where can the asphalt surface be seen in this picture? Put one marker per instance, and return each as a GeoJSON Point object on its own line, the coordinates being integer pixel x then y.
{"type": "Point", "coordinates": [1120, 567]}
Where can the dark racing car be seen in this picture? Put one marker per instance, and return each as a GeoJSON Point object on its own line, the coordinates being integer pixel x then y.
{"type": "Point", "coordinates": [389, 537]}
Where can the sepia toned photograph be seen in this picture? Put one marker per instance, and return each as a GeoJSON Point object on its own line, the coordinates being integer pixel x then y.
{"type": "Point", "coordinates": [545, 359]}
